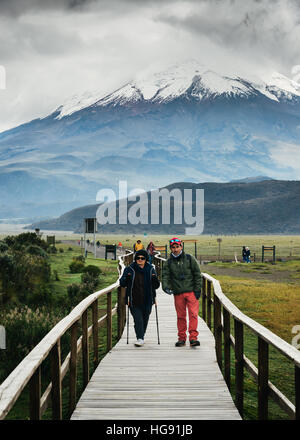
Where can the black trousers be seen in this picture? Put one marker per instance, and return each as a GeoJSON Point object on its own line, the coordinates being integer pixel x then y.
{"type": "Point", "coordinates": [140, 317]}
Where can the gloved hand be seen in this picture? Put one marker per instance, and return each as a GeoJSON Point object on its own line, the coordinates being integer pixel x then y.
{"type": "Point", "coordinates": [197, 294]}
{"type": "Point", "coordinates": [169, 291]}
{"type": "Point", "coordinates": [128, 277]}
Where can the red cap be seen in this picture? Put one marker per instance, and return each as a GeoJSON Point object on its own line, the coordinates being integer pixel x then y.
{"type": "Point", "coordinates": [175, 240]}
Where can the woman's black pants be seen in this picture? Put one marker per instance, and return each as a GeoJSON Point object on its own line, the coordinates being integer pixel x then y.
{"type": "Point", "coordinates": [141, 317]}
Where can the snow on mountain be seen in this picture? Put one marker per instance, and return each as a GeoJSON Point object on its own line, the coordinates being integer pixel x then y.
{"type": "Point", "coordinates": [190, 78]}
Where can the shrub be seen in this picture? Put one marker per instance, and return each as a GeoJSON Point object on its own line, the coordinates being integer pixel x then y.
{"type": "Point", "coordinates": [61, 250]}
{"type": "Point", "coordinates": [52, 249]}
{"type": "Point", "coordinates": [76, 266]}
{"type": "Point", "coordinates": [79, 258]}
{"type": "Point", "coordinates": [24, 240]}
{"type": "Point", "coordinates": [3, 246]}
{"type": "Point", "coordinates": [36, 250]}
{"type": "Point", "coordinates": [73, 292]}
{"type": "Point", "coordinates": [90, 282]}
{"type": "Point", "coordinates": [92, 270]}
{"type": "Point", "coordinates": [24, 329]}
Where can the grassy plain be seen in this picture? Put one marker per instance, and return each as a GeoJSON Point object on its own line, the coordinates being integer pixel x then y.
{"type": "Point", "coordinates": [269, 294]}
{"type": "Point", "coordinates": [207, 245]}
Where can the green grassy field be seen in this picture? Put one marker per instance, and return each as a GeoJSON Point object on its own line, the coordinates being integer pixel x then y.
{"type": "Point", "coordinates": [207, 245]}
{"type": "Point", "coordinates": [273, 303]}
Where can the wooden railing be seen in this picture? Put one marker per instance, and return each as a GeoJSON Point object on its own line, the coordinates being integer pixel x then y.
{"type": "Point", "coordinates": [218, 308]}
{"type": "Point", "coordinates": [29, 370]}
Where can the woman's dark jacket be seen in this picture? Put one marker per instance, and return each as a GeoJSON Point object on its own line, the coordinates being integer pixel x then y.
{"type": "Point", "coordinates": [151, 282]}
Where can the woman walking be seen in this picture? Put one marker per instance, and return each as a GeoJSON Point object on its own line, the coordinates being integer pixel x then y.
{"type": "Point", "coordinates": [141, 281]}
{"type": "Point", "coordinates": [151, 249]}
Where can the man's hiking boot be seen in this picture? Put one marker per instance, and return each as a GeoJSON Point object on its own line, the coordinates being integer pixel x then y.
{"type": "Point", "coordinates": [194, 343]}
{"type": "Point", "coordinates": [180, 344]}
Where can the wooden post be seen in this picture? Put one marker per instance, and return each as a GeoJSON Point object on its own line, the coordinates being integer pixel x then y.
{"type": "Point", "coordinates": [226, 318]}
{"type": "Point", "coordinates": [109, 323]}
{"type": "Point", "coordinates": [196, 250]}
{"type": "Point", "coordinates": [73, 369]}
{"type": "Point", "coordinates": [119, 313]}
{"type": "Point", "coordinates": [209, 304]}
{"type": "Point", "coordinates": [35, 395]}
{"type": "Point", "coordinates": [263, 377]}
{"type": "Point", "coordinates": [262, 253]}
{"type": "Point", "coordinates": [297, 392]}
{"type": "Point", "coordinates": [204, 299]}
{"type": "Point", "coordinates": [239, 365]}
{"type": "Point", "coordinates": [218, 330]}
{"type": "Point", "coordinates": [95, 333]}
{"type": "Point", "coordinates": [55, 356]}
{"type": "Point", "coordinates": [85, 349]}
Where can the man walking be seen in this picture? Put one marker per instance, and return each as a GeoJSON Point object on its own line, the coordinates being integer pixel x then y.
{"type": "Point", "coordinates": [182, 277]}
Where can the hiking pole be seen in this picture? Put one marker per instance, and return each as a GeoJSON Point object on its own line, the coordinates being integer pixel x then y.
{"type": "Point", "coordinates": [127, 323]}
{"type": "Point", "coordinates": [158, 341]}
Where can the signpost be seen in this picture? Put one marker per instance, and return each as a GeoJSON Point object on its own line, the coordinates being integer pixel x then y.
{"type": "Point", "coordinates": [90, 227]}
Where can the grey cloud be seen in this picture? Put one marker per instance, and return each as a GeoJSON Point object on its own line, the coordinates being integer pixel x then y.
{"type": "Point", "coordinates": [263, 29]}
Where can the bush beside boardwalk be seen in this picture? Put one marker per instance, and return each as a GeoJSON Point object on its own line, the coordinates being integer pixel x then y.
{"type": "Point", "coordinates": [36, 319]}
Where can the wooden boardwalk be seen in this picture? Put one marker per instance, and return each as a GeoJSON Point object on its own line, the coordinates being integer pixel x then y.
{"type": "Point", "coordinates": [158, 381]}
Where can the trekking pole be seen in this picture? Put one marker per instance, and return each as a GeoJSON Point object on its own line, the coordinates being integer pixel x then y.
{"type": "Point", "coordinates": [158, 341]}
{"type": "Point", "coordinates": [127, 323]}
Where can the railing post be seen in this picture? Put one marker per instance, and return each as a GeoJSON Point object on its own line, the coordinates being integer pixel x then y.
{"type": "Point", "coordinates": [297, 392]}
{"type": "Point", "coordinates": [35, 395]}
{"type": "Point", "coordinates": [109, 323]}
{"type": "Point", "coordinates": [204, 298]}
{"type": "Point", "coordinates": [85, 348]}
{"type": "Point", "coordinates": [209, 304]}
{"type": "Point", "coordinates": [119, 312]}
{"type": "Point", "coordinates": [218, 330]}
{"type": "Point", "coordinates": [226, 320]}
{"type": "Point", "coordinates": [263, 377]}
{"type": "Point", "coordinates": [239, 365]}
{"type": "Point", "coordinates": [55, 356]}
{"type": "Point", "coordinates": [73, 368]}
{"type": "Point", "coordinates": [95, 333]}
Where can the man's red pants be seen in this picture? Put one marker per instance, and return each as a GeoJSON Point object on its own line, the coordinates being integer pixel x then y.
{"type": "Point", "coordinates": [188, 301]}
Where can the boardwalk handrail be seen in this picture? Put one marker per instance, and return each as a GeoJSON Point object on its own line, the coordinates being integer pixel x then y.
{"type": "Point", "coordinates": [223, 309]}
{"type": "Point", "coordinates": [29, 369]}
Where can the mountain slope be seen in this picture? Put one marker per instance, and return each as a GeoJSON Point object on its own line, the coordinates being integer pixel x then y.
{"type": "Point", "coordinates": [265, 207]}
{"type": "Point", "coordinates": [187, 123]}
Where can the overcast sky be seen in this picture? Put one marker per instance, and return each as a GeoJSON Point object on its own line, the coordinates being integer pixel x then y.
{"type": "Point", "coordinates": [52, 50]}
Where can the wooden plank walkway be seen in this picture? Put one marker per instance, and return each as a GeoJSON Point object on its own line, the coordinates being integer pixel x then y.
{"type": "Point", "coordinates": [158, 381]}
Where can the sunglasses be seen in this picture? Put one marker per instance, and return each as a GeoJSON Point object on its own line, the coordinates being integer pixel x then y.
{"type": "Point", "coordinates": [175, 245]}
{"type": "Point", "coordinates": [140, 258]}
{"type": "Point", "coordinates": [175, 240]}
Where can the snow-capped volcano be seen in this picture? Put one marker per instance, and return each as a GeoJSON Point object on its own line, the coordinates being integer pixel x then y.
{"type": "Point", "coordinates": [190, 80]}
{"type": "Point", "coordinates": [187, 123]}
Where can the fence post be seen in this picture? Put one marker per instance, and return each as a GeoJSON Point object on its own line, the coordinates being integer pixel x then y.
{"type": "Point", "coordinates": [35, 395]}
{"type": "Point", "coordinates": [239, 365]}
{"type": "Point", "coordinates": [226, 319]}
{"type": "Point", "coordinates": [109, 323]}
{"type": "Point", "coordinates": [263, 377]}
{"type": "Point", "coordinates": [297, 392]}
{"type": "Point", "coordinates": [209, 304]}
{"type": "Point", "coordinates": [73, 368]}
{"type": "Point", "coordinates": [204, 295]}
{"type": "Point", "coordinates": [55, 356]}
{"type": "Point", "coordinates": [85, 349]}
{"type": "Point", "coordinates": [218, 330]}
{"type": "Point", "coordinates": [95, 333]}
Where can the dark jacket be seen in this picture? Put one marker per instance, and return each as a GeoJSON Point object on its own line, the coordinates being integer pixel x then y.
{"type": "Point", "coordinates": [127, 281]}
{"type": "Point", "coordinates": [181, 274]}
